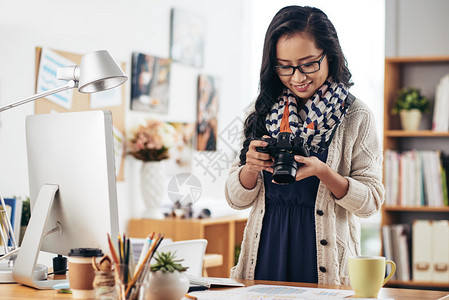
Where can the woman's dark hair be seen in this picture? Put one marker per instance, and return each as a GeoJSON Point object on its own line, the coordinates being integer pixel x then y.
{"type": "Point", "coordinates": [289, 21]}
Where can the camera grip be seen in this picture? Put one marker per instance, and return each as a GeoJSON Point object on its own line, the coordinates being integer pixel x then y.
{"type": "Point", "coordinates": [270, 141]}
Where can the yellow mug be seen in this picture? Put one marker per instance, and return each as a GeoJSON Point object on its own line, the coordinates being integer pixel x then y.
{"type": "Point", "coordinates": [367, 274]}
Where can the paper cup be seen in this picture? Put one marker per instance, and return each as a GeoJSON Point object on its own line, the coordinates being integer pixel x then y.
{"type": "Point", "coordinates": [81, 272]}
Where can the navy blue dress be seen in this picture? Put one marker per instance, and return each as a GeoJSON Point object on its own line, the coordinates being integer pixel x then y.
{"type": "Point", "coordinates": [287, 249]}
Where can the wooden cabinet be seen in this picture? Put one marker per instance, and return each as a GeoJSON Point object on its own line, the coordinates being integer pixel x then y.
{"type": "Point", "coordinates": [222, 234]}
{"type": "Point", "coordinates": [423, 73]}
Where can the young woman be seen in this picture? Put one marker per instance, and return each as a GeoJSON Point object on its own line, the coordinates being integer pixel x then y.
{"type": "Point", "coordinates": [306, 230]}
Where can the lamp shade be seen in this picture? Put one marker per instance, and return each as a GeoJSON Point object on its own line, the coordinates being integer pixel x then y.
{"type": "Point", "coordinates": [99, 72]}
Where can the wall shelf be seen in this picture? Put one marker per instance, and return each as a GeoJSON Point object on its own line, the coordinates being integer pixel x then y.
{"type": "Point", "coordinates": [418, 133]}
{"type": "Point", "coordinates": [423, 73]}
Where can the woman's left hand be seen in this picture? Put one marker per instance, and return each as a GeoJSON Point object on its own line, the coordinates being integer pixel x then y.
{"type": "Point", "coordinates": [311, 166]}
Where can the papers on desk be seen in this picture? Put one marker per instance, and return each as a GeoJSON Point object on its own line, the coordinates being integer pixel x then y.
{"type": "Point", "coordinates": [212, 281]}
{"type": "Point", "coordinates": [267, 292]}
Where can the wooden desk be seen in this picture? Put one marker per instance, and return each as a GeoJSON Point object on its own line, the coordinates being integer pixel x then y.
{"type": "Point", "coordinates": [222, 235]}
{"type": "Point", "coordinates": [15, 291]}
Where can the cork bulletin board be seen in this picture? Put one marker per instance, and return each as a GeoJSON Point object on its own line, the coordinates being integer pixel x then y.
{"type": "Point", "coordinates": [82, 102]}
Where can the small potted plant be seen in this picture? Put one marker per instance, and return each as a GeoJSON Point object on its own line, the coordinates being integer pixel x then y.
{"type": "Point", "coordinates": [410, 105]}
{"type": "Point", "coordinates": [167, 278]}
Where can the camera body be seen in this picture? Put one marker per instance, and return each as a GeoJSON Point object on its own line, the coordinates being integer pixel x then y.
{"type": "Point", "coordinates": [283, 149]}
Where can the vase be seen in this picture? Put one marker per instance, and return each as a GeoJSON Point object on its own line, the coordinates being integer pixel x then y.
{"type": "Point", "coordinates": [410, 119]}
{"type": "Point", "coordinates": [153, 185]}
{"type": "Point", "coordinates": [167, 286]}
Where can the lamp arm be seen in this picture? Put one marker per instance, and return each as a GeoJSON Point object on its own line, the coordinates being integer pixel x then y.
{"type": "Point", "coordinates": [69, 85]}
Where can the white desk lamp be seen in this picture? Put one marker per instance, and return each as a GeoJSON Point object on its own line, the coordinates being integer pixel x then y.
{"type": "Point", "coordinates": [97, 72]}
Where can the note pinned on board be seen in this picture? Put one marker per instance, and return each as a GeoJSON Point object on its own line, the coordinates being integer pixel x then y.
{"type": "Point", "coordinates": [46, 77]}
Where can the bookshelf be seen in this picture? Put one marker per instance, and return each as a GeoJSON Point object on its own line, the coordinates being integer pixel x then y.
{"type": "Point", "coordinates": [424, 73]}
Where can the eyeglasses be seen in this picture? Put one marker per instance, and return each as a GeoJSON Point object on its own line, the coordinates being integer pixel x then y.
{"type": "Point", "coordinates": [307, 68]}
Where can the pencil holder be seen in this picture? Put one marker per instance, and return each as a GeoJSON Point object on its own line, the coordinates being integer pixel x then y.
{"type": "Point", "coordinates": [128, 286]}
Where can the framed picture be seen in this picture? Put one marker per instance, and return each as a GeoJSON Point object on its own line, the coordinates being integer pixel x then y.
{"type": "Point", "coordinates": [181, 155]}
{"type": "Point", "coordinates": [207, 110]}
{"type": "Point", "coordinates": [150, 83]}
{"type": "Point", "coordinates": [187, 37]}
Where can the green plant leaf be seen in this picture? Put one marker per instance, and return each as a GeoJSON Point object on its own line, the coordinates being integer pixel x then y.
{"type": "Point", "coordinates": [411, 98]}
{"type": "Point", "coordinates": [167, 262]}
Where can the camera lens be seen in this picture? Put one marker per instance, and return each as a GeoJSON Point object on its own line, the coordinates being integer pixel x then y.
{"type": "Point", "coordinates": [284, 168]}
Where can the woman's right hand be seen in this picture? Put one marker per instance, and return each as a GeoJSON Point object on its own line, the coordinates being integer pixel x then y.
{"type": "Point", "coordinates": [255, 162]}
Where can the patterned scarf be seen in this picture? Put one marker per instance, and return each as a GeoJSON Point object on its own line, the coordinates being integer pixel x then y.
{"type": "Point", "coordinates": [316, 120]}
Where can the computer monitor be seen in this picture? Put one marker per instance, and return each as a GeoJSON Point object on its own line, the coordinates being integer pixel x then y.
{"type": "Point", "coordinates": [72, 188]}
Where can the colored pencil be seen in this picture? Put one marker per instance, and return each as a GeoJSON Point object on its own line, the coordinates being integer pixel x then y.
{"type": "Point", "coordinates": [112, 250]}
{"type": "Point", "coordinates": [146, 260]}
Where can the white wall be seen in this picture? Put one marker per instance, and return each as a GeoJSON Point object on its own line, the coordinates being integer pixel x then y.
{"type": "Point", "coordinates": [121, 27]}
{"type": "Point", "coordinates": [416, 28]}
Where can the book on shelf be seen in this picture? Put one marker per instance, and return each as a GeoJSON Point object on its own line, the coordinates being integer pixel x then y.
{"type": "Point", "coordinates": [391, 177]}
{"type": "Point", "coordinates": [440, 121]}
{"type": "Point", "coordinates": [396, 247]}
{"type": "Point", "coordinates": [422, 250]}
{"type": "Point", "coordinates": [416, 178]}
{"type": "Point", "coordinates": [440, 248]}
{"type": "Point", "coordinates": [431, 250]}
{"type": "Point", "coordinates": [388, 247]}
{"type": "Point", "coordinates": [445, 167]}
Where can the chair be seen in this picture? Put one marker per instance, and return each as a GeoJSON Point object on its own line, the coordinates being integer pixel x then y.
{"type": "Point", "coordinates": [191, 251]}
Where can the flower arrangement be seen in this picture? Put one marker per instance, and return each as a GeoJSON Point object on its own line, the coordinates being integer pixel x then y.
{"type": "Point", "coordinates": [411, 98]}
{"type": "Point", "coordinates": [152, 141]}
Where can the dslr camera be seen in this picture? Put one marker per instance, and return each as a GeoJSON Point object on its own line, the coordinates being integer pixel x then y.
{"type": "Point", "coordinates": [283, 149]}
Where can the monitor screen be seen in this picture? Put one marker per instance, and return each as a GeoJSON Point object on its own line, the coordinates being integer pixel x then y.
{"type": "Point", "coordinates": [70, 159]}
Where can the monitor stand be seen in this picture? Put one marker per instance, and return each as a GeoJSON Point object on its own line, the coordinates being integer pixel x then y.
{"type": "Point", "coordinates": [40, 272]}
{"type": "Point", "coordinates": [6, 273]}
{"type": "Point", "coordinates": [26, 262]}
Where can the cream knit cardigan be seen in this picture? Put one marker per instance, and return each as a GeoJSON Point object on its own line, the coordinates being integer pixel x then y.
{"type": "Point", "coordinates": [354, 153]}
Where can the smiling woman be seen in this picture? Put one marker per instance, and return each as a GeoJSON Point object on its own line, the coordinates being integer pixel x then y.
{"type": "Point", "coordinates": [305, 229]}
{"type": "Point", "coordinates": [365, 55]}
